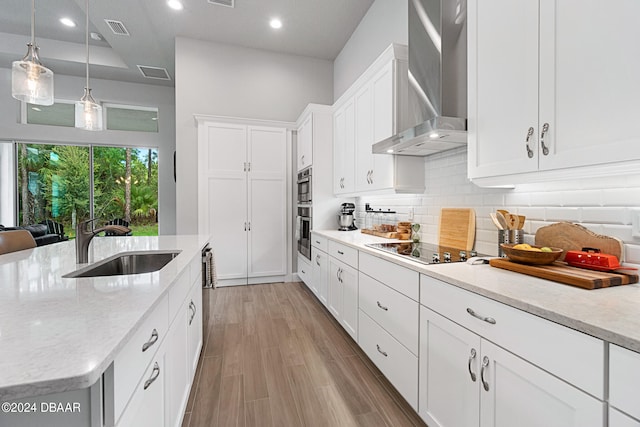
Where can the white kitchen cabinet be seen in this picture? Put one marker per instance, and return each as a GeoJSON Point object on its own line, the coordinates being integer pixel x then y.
{"type": "Point", "coordinates": [618, 419]}
{"type": "Point", "coordinates": [624, 380]}
{"type": "Point", "coordinates": [320, 273]}
{"type": "Point", "coordinates": [376, 99]}
{"type": "Point", "coordinates": [305, 271]}
{"type": "Point", "coordinates": [194, 329]}
{"type": "Point", "coordinates": [305, 143]}
{"type": "Point", "coordinates": [539, 101]}
{"type": "Point", "coordinates": [242, 200]}
{"type": "Point", "coordinates": [343, 295]}
{"type": "Point", "coordinates": [461, 372]}
{"type": "Point", "coordinates": [177, 380]}
{"type": "Point", "coordinates": [344, 148]}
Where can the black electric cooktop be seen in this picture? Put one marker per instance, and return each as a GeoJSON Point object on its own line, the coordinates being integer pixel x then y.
{"type": "Point", "coordinates": [424, 252]}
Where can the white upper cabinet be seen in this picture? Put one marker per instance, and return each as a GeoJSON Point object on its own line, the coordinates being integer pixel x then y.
{"type": "Point", "coordinates": [547, 92]}
{"type": "Point", "coordinates": [305, 143]}
{"type": "Point", "coordinates": [367, 113]}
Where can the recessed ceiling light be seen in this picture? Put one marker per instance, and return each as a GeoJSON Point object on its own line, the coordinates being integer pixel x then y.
{"type": "Point", "coordinates": [67, 22]}
{"type": "Point", "coordinates": [434, 135]}
{"type": "Point", "coordinates": [95, 36]}
{"type": "Point", "coordinates": [36, 109]}
{"type": "Point", "coordinates": [275, 23]}
{"type": "Point", "coordinates": [175, 4]}
{"type": "Point", "coordinates": [390, 150]}
{"type": "Point", "coordinates": [154, 118]}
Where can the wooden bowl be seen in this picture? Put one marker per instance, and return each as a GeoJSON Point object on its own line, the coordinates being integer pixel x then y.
{"type": "Point", "coordinates": [524, 256]}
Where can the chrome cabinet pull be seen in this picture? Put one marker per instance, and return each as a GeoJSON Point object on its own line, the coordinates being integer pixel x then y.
{"type": "Point", "coordinates": [545, 129]}
{"type": "Point", "coordinates": [249, 225]}
{"type": "Point", "coordinates": [318, 241]}
{"type": "Point", "coordinates": [318, 259]}
{"type": "Point", "coordinates": [152, 341]}
{"type": "Point", "coordinates": [477, 316]}
{"type": "Point", "coordinates": [384, 353]}
{"type": "Point", "coordinates": [529, 135]}
{"type": "Point", "coordinates": [341, 253]}
{"type": "Point", "coordinates": [371, 176]}
{"type": "Point", "coordinates": [245, 226]}
{"type": "Point", "coordinates": [382, 306]}
{"type": "Point", "coordinates": [302, 159]}
{"type": "Point", "coordinates": [485, 364]}
{"type": "Point", "coordinates": [192, 306]}
{"type": "Point", "coordinates": [154, 376]}
{"type": "Point", "coordinates": [471, 357]}
{"type": "Point", "coordinates": [338, 274]}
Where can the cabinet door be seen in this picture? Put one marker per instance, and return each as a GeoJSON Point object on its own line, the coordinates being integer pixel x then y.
{"type": "Point", "coordinates": [194, 326]}
{"type": "Point", "coordinates": [618, 419]}
{"type": "Point", "coordinates": [146, 407]}
{"type": "Point", "coordinates": [503, 87]}
{"type": "Point", "coordinates": [383, 86]}
{"type": "Point", "coordinates": [589, 82]}
{"type": "Point", "coordinates": [344, 148]}
{"type": "Point", "coordinates": [178, 377]}
{"type": "Point", "coordinates": [266, 195]}
{"type": "Point", "coordinates": [335, 288]}
{"type": "Point", "coordinates": [364, 137]}
{"type": "Point", "coordinates": [449, 372]}
{"type": "Point", "coordinates": [320, 270]}
{"type": "Point", "coordinates": [305, 143]}
{"type": "Point", "coordinates": [222, 154]}
{"type": "Point", "coordinates": [515, 393]}
{"type": "Point", "coordinates": [349, 320]}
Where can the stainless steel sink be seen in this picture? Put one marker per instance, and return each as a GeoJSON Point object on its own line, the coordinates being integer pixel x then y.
{"type": "Point", "coordinates": [126, 263]}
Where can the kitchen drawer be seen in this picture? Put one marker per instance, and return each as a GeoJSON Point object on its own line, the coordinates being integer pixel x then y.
{"type": "Point", "coordinates": [392, 358]}
{"type": "Point", "coordinates": [131, 362]}
{"type": "Point", "coordinates": [624, 380]}
{"type": "Point", "coordinates": [195, 268]}
{"type": "Point", "coordinates": [618, 419]}
{"type": "Point", "coordinates": [400, 278]}
{"type": "Point", "coordinates": [571, 355]}
{"type": "Point", "coordinates": [344, 253]}
{"type": "Point", "coordinates": [178, 292]}
{"type": "Point", "coordinates": [396, 313]}
{"type": "Point", "coordinates": [319, 242]}
{"type": "Point", "coordinates": [304, 271]}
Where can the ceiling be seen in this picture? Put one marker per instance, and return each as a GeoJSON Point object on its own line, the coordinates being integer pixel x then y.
{"type": "Point", "coordinates": [314, 28]}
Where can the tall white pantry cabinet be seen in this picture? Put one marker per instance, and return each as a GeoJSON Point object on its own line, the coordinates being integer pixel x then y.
{"type": "Point", "coordinates": [242, 199]}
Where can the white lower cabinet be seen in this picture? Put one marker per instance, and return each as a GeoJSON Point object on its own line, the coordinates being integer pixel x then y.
{"type": "Point", "coordinates": [320, 274]}
{"type": "Point", "coordinates": [304, 271]}
{"type": "Point", "coordinates": [618, 419]}
{"type": "Point", "coordinates": [397, 363]}
{"type": "Point", "coordinates": [624, 380]}
{"type": "Point", "coordinates": [343, 295]}
{"type": "Point", "coordinates": [147, 405]}
{"type": "Point", "coordinates": [468, 381]}
{"type": "Point", "coordinates": [194, 328]}
{"type": "Point", "coordinates": [177, 381]}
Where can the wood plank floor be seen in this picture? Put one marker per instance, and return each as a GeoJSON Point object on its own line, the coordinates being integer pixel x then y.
{"type": "Point", "coordinates": [275, 357]}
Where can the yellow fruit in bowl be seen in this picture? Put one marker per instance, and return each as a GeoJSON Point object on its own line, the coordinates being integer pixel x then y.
{"type": "Point", "coordinates": [546, 249]}
{"type": "Point", "coordinates": [535, 249]}
{"type": "Point", "coordinates": [523, 246]}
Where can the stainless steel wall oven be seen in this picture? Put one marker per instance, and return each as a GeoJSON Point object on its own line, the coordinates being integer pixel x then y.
{"type": "Point", "coordinates": [304, 230]}
{"type": "Point", "coordinates": [304, 186]}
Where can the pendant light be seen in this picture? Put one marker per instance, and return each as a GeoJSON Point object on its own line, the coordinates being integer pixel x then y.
{"type": "Point", "coordinates": [31, 81]}
{"type": "Point", "coordinates": [88, 111]}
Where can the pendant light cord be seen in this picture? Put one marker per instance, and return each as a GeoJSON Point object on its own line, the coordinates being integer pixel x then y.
{"type": "Point", "coordinates": [87, 42]}
{"type": "Point", "coordinates": [33, 23]}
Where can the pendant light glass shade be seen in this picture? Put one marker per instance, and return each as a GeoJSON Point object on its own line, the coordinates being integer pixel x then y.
{"type": "Point", "coordinates": [31, 81]}
{"type": "Point", "coordinates": [88, 112]}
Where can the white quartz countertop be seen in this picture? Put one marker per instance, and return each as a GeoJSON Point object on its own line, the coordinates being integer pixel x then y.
{"type": "Point", "coordinates": [611, 314]}
{"type": "Point", "coordinates": [60, 334]}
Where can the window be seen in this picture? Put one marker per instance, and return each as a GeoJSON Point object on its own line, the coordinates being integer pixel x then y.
{"type": "Point", "coordinates": [61, 113]}
{"type": "Point", "coordinates": [131, 118]}
{"type": "Point", "coordinates": [53, 182]}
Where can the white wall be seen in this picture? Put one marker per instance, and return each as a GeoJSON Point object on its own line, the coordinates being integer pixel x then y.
{"type": "Point", "coordinates": [603, 205]}
{"type": "Point", "coordinates": [70, 88]}
{"type": "Point", "coordinates": [385, 22]}
{"type": "Point", "coordinates": [224, 80]}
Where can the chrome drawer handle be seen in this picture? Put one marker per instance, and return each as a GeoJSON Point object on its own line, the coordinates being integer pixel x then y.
{"type": "Point", "coordinates": [485, 364]}
{"type": "Point", "coordinates": [472, 356]}
{"type": "Point", "coordinates": [154, 376]}
{"type": "Point", "coordinates": [192, 306]}
{"type": "Point", "coordinates": [341, 253]}
{"type": "Point", "coordinates": [318, 259]}
{"type": "Point", "coordinates": [152, 341]}
{"type": "Point", "coordinates": [477, 316]}
{"type": "Point", "coordinates": [545, 129]}
{"type": "Point", "coordinates": [384, 353]}
{"type": "Point", "coordinates": [317, 241]}
{"type": "Point", "coordinates": [382, 306]}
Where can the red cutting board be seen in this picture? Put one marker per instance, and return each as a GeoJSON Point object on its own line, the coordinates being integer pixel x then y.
{"type": "Point", "coordinates": [560, 272]}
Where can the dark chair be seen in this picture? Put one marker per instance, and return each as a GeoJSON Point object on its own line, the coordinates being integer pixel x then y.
{"type": "Point", "coordinates": [118, 221]}
{"type": "Point", "coordinates": [55, 228]}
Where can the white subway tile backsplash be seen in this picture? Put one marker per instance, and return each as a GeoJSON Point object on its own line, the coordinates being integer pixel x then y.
{"type": "Point", "coordinates": [513, 198]}
{"type": "Point", "coordinates": [582, 198]}
{"type": "Point", "coordinates": [531, 213]}
{"type": "Point", "coordinates": [607, 215]}
{"type": "Point", "coordinates": [547, 198]}
{"type": "Point", "coordinates": [562, 214]}
{"type": "Point", "coordinates": [622, 232]}
{"type": "Point", "coordinates": [632, 253]}
{"type": "Point", "coordinates": [621, 197]}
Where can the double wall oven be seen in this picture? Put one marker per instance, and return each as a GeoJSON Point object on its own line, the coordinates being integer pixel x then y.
{"type": "Point", "coordinates": [304, 217]}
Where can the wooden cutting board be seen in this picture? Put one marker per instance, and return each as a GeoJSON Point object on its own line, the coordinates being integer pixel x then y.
{"type": "Point", "coordinates": [560, 272]}
{"type": "Point", "coordinates": [574, 237]}
{"type": "Point", "coordinates": [457, 228]}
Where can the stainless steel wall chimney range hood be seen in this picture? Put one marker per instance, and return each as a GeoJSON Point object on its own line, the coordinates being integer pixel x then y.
{"type": "Point", "coordinates": [437, 83]}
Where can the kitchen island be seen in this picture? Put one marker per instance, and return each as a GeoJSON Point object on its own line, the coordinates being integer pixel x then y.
{"type": "Point", "coordinates": [62, 334]}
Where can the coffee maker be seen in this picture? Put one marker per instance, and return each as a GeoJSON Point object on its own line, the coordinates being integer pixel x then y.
{"type": "Point", "coordinates": [346, 218]}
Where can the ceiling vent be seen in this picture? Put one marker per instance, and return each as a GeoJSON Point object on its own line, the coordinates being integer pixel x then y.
{"type": "Point", "coordinates": [117, 27]}
{"type": "Point", "coordinates": [154, 72]}
{"type": "Point", "coordinates": [228, 3]}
